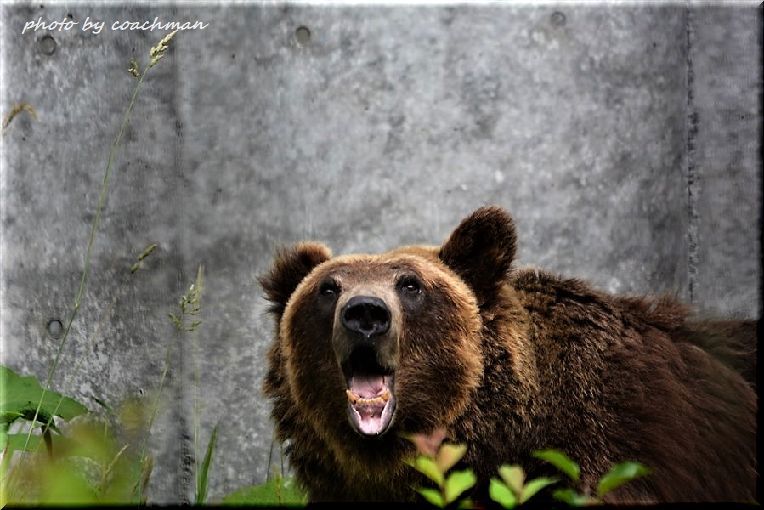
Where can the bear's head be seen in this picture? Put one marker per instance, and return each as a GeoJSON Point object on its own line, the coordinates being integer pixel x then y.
{"type": "Point", "coordinates": [374, 344]}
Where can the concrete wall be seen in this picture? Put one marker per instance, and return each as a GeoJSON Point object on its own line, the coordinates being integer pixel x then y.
{"type": "Point", "coordinates": [625, 141]}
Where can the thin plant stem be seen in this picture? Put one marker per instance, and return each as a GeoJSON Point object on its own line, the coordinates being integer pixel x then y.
{"type": "Point", "coordinates": [156, 53]}
{"type": "Point", "coordinates": [154, 411]}
{"type": "Point", "coordinates": [88, 254]}
{"type": "Point", "coordinates": [270, 456]}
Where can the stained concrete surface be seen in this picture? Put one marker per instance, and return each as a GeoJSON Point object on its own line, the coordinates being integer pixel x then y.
{"type": "Point", "coordinates": [625, 140]}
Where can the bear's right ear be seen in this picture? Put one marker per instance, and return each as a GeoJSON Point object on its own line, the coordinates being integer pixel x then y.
{"type": "Point", "coordinates": [481, 250]}
{"type": "Point", "coordinates": [289, 268]}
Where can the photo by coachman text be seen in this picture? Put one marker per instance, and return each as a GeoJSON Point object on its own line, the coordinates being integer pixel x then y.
{"type": "Point", "coordinates": [97, 26]}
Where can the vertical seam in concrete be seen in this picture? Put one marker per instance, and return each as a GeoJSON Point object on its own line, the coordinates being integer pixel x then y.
{"type": "Point", "coordinates": [186, 462]}
{"type": "Point", "coordinates": [187, 452]}
{"type": "Point", "coordinates": [692, 174]}
{"type": "Point", "coordinates": [759, 163]}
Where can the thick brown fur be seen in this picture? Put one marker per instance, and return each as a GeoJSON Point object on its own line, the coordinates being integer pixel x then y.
{"type": "Point", "coordinates": [509, 361]}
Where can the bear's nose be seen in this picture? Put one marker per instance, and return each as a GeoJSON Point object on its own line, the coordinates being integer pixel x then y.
{"type": "Point", "coordinates": [366, 315]}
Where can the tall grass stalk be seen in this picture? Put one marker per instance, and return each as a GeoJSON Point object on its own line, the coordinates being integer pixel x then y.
{"type": "Point", "coordinates": [156, 53]}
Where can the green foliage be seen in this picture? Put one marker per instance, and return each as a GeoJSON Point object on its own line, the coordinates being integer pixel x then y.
{"type": "Point", "coordinates": [573, 498]}
{"type": "Point", "coordinates": [22, 393]}
{"type": "Point", "coordinates": [201, 474]}
{"type": "Point", "coordinates": [133, 68]}
{"type": "Point", "coordinates": [448, 455]}
{"type": "Point", "coordinates": [190, 305]}
{"type": "Point", "coordinates": [88, 464]}
{"type": "Point", "coordinates": [19, 400]}
{"type": "Point", "coordinates": [561, 461]}
{"type": "Point", "coordinates": [535, 485]}
{"type": "Point", "coordinates": [456, 483]}
{"type": "Point", "coordinates": [429, 468]}
{"type": "Point", "coordinates": [434, 461]}
{"type": "Point", "coordinates": [276, 491]}
{"type": "Point", "coordinates": [139, 263]}
{"type": "Point", "coordinates": [620, 474]}
{"type": "Point", "coordinates": [502, 494]}
{"type": "Point", "coordinates": [512, 490]}
{"type": "Point", "coordinates": [158, 51]}
{"type": "Point", "coordinates": [433, 496]}
{"type": "Point", "coordinates": [617, 476]}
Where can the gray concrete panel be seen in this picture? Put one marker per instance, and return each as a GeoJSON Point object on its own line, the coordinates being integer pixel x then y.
{"type": "Point", "coordinates": [385, 126]}
{"type": "Point", "coordinates": [726, 163]}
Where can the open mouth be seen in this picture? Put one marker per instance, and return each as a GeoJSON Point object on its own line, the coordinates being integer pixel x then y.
{"type": "Point", "coordinates": [371, 401]}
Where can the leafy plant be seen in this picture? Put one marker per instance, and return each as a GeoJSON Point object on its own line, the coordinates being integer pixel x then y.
{"type": "Point", "coordinates": [434, 460]}
{"type": "Point", "coordinates": [85, 463]}
{"type": "Point", "coordinates": [276, 491]}
{"type": "Point", "coordinates": [19, 394]}
{"type": "Point", "coordinates": [618, 475]}
{"type": "Point", "coordinates": [19, 401]}
{"type": "Point", "coordinates": [512, 490]}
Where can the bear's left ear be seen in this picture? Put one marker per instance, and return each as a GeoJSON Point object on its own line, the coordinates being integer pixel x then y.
{"type": "Point", "coordinates": [481, 250]}
{"type": "Point", "coordinates": [289, 268]}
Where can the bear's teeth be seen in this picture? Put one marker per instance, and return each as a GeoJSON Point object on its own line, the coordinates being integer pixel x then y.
{"type": "Point", "coordinates": [371, 401]}
{"type": "Point", "coordinates": [358, 400]}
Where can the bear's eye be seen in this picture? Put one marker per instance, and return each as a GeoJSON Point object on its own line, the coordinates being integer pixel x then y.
{"type": "Point", "coordinates": [329, 288]}
{"type": "Point", "coordinates": [410, 285]}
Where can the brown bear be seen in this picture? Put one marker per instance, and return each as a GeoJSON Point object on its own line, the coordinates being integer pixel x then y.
{"type": "Point", "coordinates": [370, 348]}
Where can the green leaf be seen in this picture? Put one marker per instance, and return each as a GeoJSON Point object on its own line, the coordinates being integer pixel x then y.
{"type": "Point", "coordinates": [432, 496]}
{"type": "Point", "coordinates": [500, 493]}
{"type": "Point", "coordinates": [66, 486]}
{"type": "Point", "coordinates": [535, 485]}
{"type": "Point", "coordinates": [457, 483]}
{"type": "Point", "coordinates": [572, 498]}
{"type": "Point", "coordinates": [147, 251]}
{"type": "Point", "coordinates": [201, 474]}
{"type": "Point", "coordinates": [560, 461]}
{"type": "Point", "coordinates": [514, 477]}
{"type": "Point", "coordinates": [276, 491]}
{"type": "Point", "coordinates": [449, 455]}
{"type": "Point", "coordinates": [16, 442]}
{"type": "Point", "coordinates": [21, 396]}
{"type": "Point", "coordinates": [465, 504]}
{"type": "Point", "coordinates": [619, 475]}
{"type": "Point", "coordinates": [427, 467]}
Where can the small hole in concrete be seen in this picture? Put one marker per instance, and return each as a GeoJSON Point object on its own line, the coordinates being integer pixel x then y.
{"type": "Point", "coordinates": [47, 44]}
{"type": "Point", "coordinates": [302, 34]}
{"type": "Point", "coordinates": [55, 328]}
{"type": "Point", "coordinates": [558, 18]}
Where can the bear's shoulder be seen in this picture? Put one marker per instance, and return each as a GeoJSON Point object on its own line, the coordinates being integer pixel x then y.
{"type": "Point", "coordinates": [552, 294]}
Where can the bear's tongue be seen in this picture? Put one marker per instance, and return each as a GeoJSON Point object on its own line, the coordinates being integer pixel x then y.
{"type": "Point", "coordinates": [369, 386]}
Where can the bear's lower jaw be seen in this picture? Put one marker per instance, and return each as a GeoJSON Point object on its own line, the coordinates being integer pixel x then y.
{"type": "Point", "coordinates": [371, 420]}
{"type": "Point", "coordinates": [371, 404]}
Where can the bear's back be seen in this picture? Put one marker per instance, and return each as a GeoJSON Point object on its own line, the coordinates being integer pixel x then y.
{"type": "Point", "coordinates": [633, 379]}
